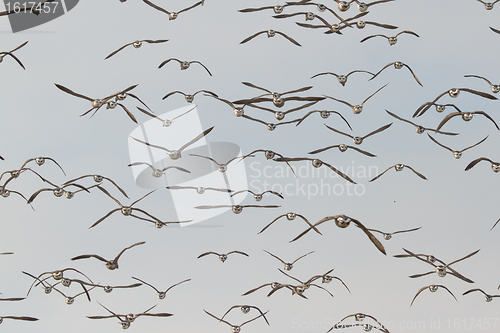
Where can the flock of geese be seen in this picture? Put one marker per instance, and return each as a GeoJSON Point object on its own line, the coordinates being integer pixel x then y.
{"type": "Point", "coordinates": [271, 102]}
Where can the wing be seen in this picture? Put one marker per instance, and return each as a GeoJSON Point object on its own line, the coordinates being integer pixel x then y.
{"type": "Point", "coordinates": [315, 285]}
{"type": "Point", "coordinates": [337, 131]}
{"type": "Point", "coordinates": [374, 93]}
{"type": "Point", "coordinates": [340, 173]}
{"type": "Point", "coordinates": [248, 84]}
{"type": "Point", "coordinates": [13, 299]}
{"type": "Point", "coordinates": [487, 116]}
{"type": "Point", "coordinates": [472, 290]}
{"type": "Point", "coordinates": [374, 239]}
{"type": "Point", "coordinates": [307, 115]}
{"type": "Point", "coordinates": [20, 46]}
{"type": "Point", "coordinates": [206, 92]}
{"type": "Point", "coordinates": [161, 314]}
{"type": "Point", "coordinates": [194, 107]}
{"type": "Point", "coordinates": [211, 315]}
{"type": "Point", "coordinates": [128, 112]}
{"type": "Point", "coordinates": [311, 225]}
{"type": "Point", "coordinates": [297, 90]}
{"type": "Point", "coordinates": [34, 195]}
{"type": "Point", "coordinates": [16, 59]}
{"type": "Point", "coordinates": [197, 62]}
{"type": "Point", "coordinates": [252, 36]}
{"type": "Point", "coordinates": [254, 119]}
{"type": "Point", "coordinates": [116, 185]}
{"type": "Point", "coordinates": [151, 145]}
{"type": "Point", "coordinates": [104, 217]}
{"type": "Point", "coordinates": [380, 71]}
{"type": "Point", "coordinates": [467, 256]}
{"type": "Point", "coordinates": [137, 98]}
{"type": "Point", "coordinates": [176, 167]}
{"type": "Point", "coordinates": [207, 253]}
{"type": "Point", "coordinates": [71, 92]}
{"type": "Point", "coordinates": [381, 25]}
{"type": "Point", "coordinates": [156, 7]}
{"type": "Point", "coordinates": [476, 143]}
{"type": "Point", "coordinates": [408, 230]}
{"type": "Point", "coordinates": [180, 187]}
{"type": "Point", "coordinates": [190, 7]}
{"type": "Point", "coordinates": [440, 143]}
{"type": "Point", "coordinates": [492, 229]}
{"type": "Point", "coordinates": [201, 135]}
{"type": "Point", "coordinates": [407, 32]}
{"type": "Point", "coordinates": [219, 190]}
{"type": "Point", "coordinates": [168, 60]}
{"type": "Point", "coordinates": [86, 256]}
{"type": "Point", "coordinates": [339, 100]}
{"type": "Point", "coordinates": [21, 318]}
{"type": "Point", "coordinates": [255, 289]}
{"type": "Point", "coordinates": [242, 191]}
{"type": "Point", "coordinates": [289, 38]}
{"type": "Point", "coordinates": [250, 10]}
{"type": "Point", "coordinates": [375, 3]}
{"type": "Point", "coordinates": [418, 293]}
{"type": "Point", "coordinates": [322, 149]}
{"type": "Point", "coordinates": [289, 15]}
{"type": "Point", "coordinates": [448, 290]}
{"type": "Point", "coordinates": [479, 77]}
{"type": "Point", "coordinates": [267, 226]}
{"type": "Point", "coordinates": [328, 218]}
{"type": "Point", "coordinates": [420, 275]}
{"type": "Point", "coordinates": [173, 92]}
{"type": "Point", "coordinates": [178, 283]}
{"type": "Point", "coordinates": [479, 93]}
{"type": "Point", "coordinates": [125, 249]}
{"type": "Point", "coordinates": [336, 75]}
{"type": "Point", "coordinates": [495, 30]}
{"type": "Point", "coordinates": [424, 107]}
{"type": "Point", "coordinates": [275, 193]}
{"type": "Point", "coordinates": [383, 128]}
{"type": "Point", "coordinates": [458, 275]}
{"type": "Point", "coordinates": [238, 252]}
{"type": "Point", "coordinates": [417, 173]}
{"type": "Point", "coordinates": [118, 50]}
{"type": "Point", "coordinates": [146, 284]}
{"type": "Point", "coordinates": [362, 151]}
{"type": "Point", "coordinates": [418, 257]}
{"type": "Point", "coordinates": [275, 256]}
{"type": "Point", "coordinates": [109, 195]}
{"type": "Point", "coordinates": [448, 117]}
{"type": "Point", "coordinates": [397, 117]}
{"type": "Point", "coordinates": [155, 41]}
{"type": "Point", "coordinates": [369, 37]}
{"type": "Point", "coordinates": [302, 256]}
{"type": "Point", "coordinates": [414, 76]}
{"type": "Point", "coordinates": [476, 161]}
{"type": "Point", "coordinates": [359, 71]}
{"type": "Point", "coordinates": [376, 177]}
{"type": "Point", "coordinates": [206, 157]}
{"type": "Point", "coordinates": [297, 108]}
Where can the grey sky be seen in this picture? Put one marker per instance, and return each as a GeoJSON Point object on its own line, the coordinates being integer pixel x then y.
{"type": "Point", "coordinates": [455, 209]}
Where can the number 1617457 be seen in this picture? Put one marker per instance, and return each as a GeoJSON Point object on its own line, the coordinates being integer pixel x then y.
{"type": "Point", "coordinates": [32, 7]}
{"type": "Point", "coordinates": [472, 323]}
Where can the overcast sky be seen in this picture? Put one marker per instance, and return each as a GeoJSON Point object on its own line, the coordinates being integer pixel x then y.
{"type": "Point", "coordinates": [455, 208]}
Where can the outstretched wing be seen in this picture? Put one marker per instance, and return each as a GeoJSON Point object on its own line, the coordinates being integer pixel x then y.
{"type": "Point", "coordinates": [289, 38]}
{"type": "Point", "coordinates": [252, 36]}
